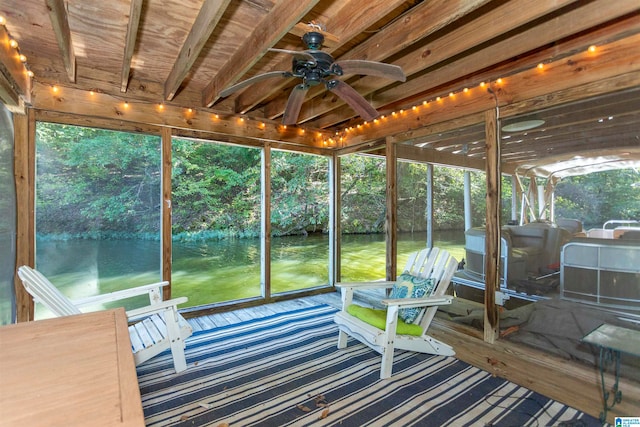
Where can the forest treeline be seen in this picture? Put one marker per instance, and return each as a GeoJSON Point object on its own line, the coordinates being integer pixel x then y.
{"type": "Point", "coordinates": [100, 183]}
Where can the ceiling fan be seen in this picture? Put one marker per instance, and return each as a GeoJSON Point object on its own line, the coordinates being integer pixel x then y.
{"type": "Point", "coordinates": [316, 67]}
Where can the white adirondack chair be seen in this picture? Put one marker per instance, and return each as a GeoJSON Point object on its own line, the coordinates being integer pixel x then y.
{"type": "Point", "coordinates": [435, 263]}
{"type": "Point", "coordinates": [152, 329]}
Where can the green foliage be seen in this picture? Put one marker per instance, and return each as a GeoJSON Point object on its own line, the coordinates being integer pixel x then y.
{"type": "Point", "coordinates": [95, 181]}
{"type": "Point", "coordinates": [598, 197]}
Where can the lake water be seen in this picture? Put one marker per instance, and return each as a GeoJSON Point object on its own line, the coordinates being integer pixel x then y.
{"type": "Point", "coordinates": [222, 270]}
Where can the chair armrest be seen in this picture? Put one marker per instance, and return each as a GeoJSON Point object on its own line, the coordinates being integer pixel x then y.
{"type": "Point", "coordinates": [418, 302]}
{"type": "Point", "coordinates": [154, 308]}
{"type": "Point", "coordinates": [365, 285]}
{"type": "Point", "coordinates": [120, 295]}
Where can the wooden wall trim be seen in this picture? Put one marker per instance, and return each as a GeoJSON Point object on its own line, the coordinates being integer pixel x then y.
{"type": "Point", "coordinates": [167, 210]}
{"type": "Point", "coordinates": [492, 240]}
{"type": "Point", "coordinates": [391, 216]}
{"type": "Point", "coordinates": [100, 105]}
{"type": "Point", "coordinates": [265, 239]}
{"type": "Point", "coordinates": [24, 172]}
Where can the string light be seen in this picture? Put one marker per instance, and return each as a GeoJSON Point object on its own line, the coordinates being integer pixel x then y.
{"type": "Point", "coordinates": [14, 44]}
{"type": "Point", "coordinates": [340, 135]}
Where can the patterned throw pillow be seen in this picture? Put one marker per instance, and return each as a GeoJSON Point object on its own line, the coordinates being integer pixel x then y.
{"type": "Point", "coordinates": [408, 286]}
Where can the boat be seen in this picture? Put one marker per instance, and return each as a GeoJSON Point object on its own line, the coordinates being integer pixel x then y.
{"type": "Point", "coordinates": [543, 257]}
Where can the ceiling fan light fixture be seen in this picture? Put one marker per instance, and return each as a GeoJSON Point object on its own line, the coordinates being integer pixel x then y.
{"type": "Point", "coordinates": [523, 125]}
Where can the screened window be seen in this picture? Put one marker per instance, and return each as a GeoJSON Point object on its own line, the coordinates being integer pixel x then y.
{"type": "Point", "coordinates": [299, 221]}
{"type": "Point", "coordinates": [362, 217]}
{"type": "Point", "coordinates": [97, 210]}
{"type": "Point", "coordinates": [215, 222]}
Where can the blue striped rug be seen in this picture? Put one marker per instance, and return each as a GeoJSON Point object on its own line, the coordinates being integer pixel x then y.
{"type": "Point", "coordinates": [285, 370]}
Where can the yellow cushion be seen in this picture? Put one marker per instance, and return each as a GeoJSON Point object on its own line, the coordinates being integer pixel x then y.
{"type": "Point", "coordinates": [378, 318]}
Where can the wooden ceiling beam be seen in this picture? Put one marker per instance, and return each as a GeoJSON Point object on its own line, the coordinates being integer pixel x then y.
{"type": "Point", "coordinates": [206, 21]}
{"type": "Point", "coordinates": [135, 12]}
{"type": "Point", "coordinates": [60, 23]}
{"type": "Point", "coordinates": [265, 35]}
{"type": "Point", "coordinates": [477, 33]}
{"type": "Point", "coordinates": [347, 23]}
{"type": "Point", "coordinates": [548, 33]}
{"type": "Point", "coordinates": [615, 67]}
{"type": "Point", "coordinates": [100, 105]}
{"type": "Point", "coordinates": [410, 152]}
{"type": "Point", "coordinates": [15, 84]}
{"type": "Point", "coordinates": [423, 20]}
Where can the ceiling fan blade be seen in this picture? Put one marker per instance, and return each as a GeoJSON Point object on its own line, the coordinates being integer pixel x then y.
{"type": "Point", "coordinates": [371, 68]}
{"type": "Point", "coordinates": [300, 54]}
{"type": "Point", "coordinates": [353, 98]}
{"type": "Point", "coordinates": [255, 79]}
{"type": "Point", "coordinates": [294, 104]}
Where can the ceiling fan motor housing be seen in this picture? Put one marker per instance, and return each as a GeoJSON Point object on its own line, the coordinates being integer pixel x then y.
{"type": "Point", "coordinates": [313, 72]}
{"type": "Point", "coordinates": [313, 40]}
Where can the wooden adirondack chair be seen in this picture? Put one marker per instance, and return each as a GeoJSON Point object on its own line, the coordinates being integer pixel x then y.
{"type": "Point", "coordinates": [152, 329]}
{"type": "Point", "coordinates": [385, 332]}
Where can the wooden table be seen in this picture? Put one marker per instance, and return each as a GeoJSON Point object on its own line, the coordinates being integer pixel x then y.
{"type": "Point", "coordinates": [69, 371]}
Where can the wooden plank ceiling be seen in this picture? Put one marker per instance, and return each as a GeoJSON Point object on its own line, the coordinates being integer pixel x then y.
{"type": "Point", "coordinates": [185, 52]}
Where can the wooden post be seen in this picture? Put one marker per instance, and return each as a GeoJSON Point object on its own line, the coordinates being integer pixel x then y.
{"type": "Point", "coordinates": [492, 241]}
{"type": "Point", "coordinates": [429, 212]}
{"type": "Point", "coordinates": [467, 201]}
{"type": "Point", "coordinates": [335, 232]}
{"type": "Point", "coordinates": [514, 198]}
{"type": "Point", "coordinates": [265, 240]}
{"type": "Point", "coordinates": [24, 173]}
{"type": "Point", "coordinates": [391, 214]}
{"type": "Point", "coordinates": [165, 231]}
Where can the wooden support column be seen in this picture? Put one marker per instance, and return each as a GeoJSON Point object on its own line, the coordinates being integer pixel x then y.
{"type": "Point", "coordinates": [391, 214]}
{"type": "Point", "coordinates": [335, 229]}
{"type": "Point", "coordinates": [165, 231]}
{"type": "Point", "coordinates": [265, 240]}
{"type": "Point", "coordinates": [467, 200]}
{"type": "Point", "coordinates": [492, 241]}
{"type": "Point", "coordinates": [24, 172]}
{"type": "Point", "coordinates": [515, 192]}
{"type": "Point", "coordinates": [429, 207]}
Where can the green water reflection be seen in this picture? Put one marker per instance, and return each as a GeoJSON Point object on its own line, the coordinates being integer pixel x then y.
{"type": "Point", "coordinates": [222, 270]}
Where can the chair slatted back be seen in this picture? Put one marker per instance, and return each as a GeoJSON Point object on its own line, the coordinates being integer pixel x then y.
{"type": "Point", "coordinates": [44, 292]}
{"type": "Point", "coordinates": [443, 270]}
{"type": "Point", "coordinates": [421, 263]}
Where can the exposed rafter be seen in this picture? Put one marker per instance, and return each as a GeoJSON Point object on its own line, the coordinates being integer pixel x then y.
{"type": "Point", "coordinates": [345, 24]}
{"type": "Point", "coordinates": [424, 19]}
{"type": "Point", "coordinates": [130, 43]}
{"type": "Point", "coordinates": [60, 23]}
{"type": "Point", "coordinates": [206, 21]}
{"type": "Point", "coordinates": [266, 34]}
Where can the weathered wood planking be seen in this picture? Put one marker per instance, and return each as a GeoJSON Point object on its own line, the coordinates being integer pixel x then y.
{"type": "Point", "coordinates": [263, 36]}
{"type": "Point", "coordinates": [467, 39]}
{"type": "Point", "coordinates": [579, 69]}
{"type": "Point", "coordinates": [82, 103]}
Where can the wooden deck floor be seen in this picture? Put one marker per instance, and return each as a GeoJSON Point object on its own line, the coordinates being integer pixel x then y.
{"type": "Point", "coordinates": [242, 314]}
{"type": "Point", "coordinates": [570, 382]}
